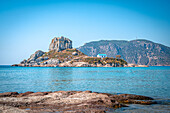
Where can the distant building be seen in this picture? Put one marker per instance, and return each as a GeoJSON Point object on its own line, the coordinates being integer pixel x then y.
{"type": "Point", "coordinates": [101, 55]}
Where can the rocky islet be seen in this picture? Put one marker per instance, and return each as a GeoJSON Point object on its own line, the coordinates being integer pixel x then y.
{"type": "Point", "coordinates": [61, 54]}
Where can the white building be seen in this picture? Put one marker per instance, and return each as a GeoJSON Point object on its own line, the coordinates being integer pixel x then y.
{"type": "Point", "coordinates": [101, 55]}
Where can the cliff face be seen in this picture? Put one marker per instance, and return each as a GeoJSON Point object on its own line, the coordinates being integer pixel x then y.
{"type": "Point", "coordinates": [60, 43]}
{"type": "Point", "coordinates": [141, 52]}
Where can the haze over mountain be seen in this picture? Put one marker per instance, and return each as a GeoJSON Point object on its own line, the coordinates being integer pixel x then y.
{"type": "Point", "coordinates": [141, 52]}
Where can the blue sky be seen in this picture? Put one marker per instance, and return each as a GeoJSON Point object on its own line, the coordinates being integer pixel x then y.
{"type": "Point", "coordinates": [29, 25]}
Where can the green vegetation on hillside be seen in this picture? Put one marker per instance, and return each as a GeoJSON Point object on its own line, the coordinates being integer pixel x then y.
{"type": "Point", "coordinates": [107, 60]}
{"type": "Point", "coordinates": [68, 55]}
{"type": "Point", "coordinates": [64, 55]}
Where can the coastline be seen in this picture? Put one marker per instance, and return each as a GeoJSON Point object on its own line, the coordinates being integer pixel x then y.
{"type": "Point", "coordinates": [77, 64]}
{"type": "Point", "coordinates": [68, 101]}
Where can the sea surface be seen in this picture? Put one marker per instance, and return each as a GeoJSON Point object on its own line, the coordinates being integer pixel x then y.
{"type": "Point", "coordinates": [148, 81]}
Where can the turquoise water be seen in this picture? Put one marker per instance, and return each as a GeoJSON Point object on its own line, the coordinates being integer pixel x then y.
{"type": "Point", "coordinates": [149, 81]}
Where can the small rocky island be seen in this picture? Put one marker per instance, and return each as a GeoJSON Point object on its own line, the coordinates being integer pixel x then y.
{"type": "Point", "coordinates": [68, 102]}
{"type": "Point", "coordinates": [61, 54]}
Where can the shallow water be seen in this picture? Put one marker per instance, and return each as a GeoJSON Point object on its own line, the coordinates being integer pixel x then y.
{"type": "Point", "coordinates": [148, 81]}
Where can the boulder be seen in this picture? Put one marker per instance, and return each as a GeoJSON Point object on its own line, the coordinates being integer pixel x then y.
{"type": "Point", "coordinates": [60, 43]}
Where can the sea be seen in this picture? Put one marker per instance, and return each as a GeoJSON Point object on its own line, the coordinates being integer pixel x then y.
{"type": "Point", "coordinates": [147, 81]}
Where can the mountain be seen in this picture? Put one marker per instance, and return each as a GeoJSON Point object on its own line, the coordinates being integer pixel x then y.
{"type": "Point", "coordinates": [141, 52]}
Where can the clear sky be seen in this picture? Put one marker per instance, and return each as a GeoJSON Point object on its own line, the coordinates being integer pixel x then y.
{"type": "Point", "coordinates": [29, 25]}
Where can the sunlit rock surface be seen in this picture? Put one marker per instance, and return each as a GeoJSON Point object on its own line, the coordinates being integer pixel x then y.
{"type": "Point", "coordinates": [68, 101]}
{"type": "Point", "coordinates": [60, 43]}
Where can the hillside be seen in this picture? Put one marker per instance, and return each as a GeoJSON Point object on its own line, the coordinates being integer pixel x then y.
{"type": "Point", "coordinates": [62, 54]}
{"type": "Point", "coordinates": [69, 58]}
{"type": "Point", "coordinates": [141, 52]}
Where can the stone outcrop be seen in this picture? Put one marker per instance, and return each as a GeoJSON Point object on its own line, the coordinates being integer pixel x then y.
{"type": "Point", "coordinates": [68, 101]}
{"type": "Point", "coordinates": [60, 43]}
{"type": "Point", "coordinates": [35, 59]}
{"type": "Point", "coordinates": [34, 56]}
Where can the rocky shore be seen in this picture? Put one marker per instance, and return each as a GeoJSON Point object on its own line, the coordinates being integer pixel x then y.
{"type": "Point", "coordinates": [67, 102]}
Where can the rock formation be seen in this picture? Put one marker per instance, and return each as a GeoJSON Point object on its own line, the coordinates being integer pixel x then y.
{"type": "Point", "coordinates": [60, 43]}
{"type": "Point", "coordinates": [34, 56]}
{"type": "Point", "coordinates": [35, 59]}
{"type": "Point", "coordinates": [68, 102]}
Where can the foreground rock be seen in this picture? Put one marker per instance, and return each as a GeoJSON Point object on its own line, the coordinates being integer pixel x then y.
{"type": "Point", "coordinates": [67, 101]}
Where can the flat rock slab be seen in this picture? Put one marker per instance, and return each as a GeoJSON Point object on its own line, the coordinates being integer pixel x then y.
{"type": "Point", "coordinates": [68, 101]}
